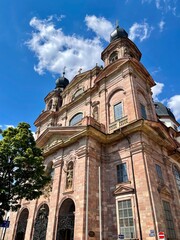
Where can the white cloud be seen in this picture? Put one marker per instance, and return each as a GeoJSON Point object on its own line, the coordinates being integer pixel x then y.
{"type": "Point", "coordinates": [161, 25]}
{"type": "Point", "coordinates": [165, 6]}
{"type": "Point", "coordinates": [141, 31]}
{"type": "Point", "coordinates": [156, 90]}
{"type": "Point", "coordinates": [174, 104]}
{"type": "Point", "coordinates": [55, 50]}
{"type": "Point", "coordinates": [7, 126]}
{"type": "Point", "coordinates": [100, 26]}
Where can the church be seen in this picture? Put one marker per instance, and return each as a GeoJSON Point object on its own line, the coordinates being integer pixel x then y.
{"type": "Point", "coordinates": [113, 154]}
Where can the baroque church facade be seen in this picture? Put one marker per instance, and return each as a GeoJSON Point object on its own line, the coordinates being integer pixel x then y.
{"type": "Point", "coordinates": [114, 156]}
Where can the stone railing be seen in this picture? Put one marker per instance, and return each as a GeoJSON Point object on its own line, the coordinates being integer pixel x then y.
{"type": "Point", "coordinates": [118, 124]}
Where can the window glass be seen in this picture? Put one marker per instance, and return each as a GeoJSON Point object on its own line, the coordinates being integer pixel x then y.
{"type": "Point", "coordinates": [118, 114]}
{"type": "Point", "coordinates": [159, 173]}
{"type": "Point", "coordinates": [126, 223]}
{"type": "Point", "coordinates": [77, 118]}
{"type": "Point", "coordinates": [177, 177]}
{"type": "Point", "coordinates": [113, 57]}
{"type": "Point", "coordinates": [171, 235]}
{"type": "Point", "coordinates": [143, 111]}
{"type": "Point", "coordinates": [122, 173]}
{"type": "Point", "coordinates": [77, 93]}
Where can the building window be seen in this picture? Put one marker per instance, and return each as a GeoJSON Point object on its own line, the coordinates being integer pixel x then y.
{"type": "Point", "coordinates": [113, 57]}
{"type": "Point", "coordinates": [177, 177]}
{"type": "Point", "coordinates": [75, 119]}
{"type": "Point", "coordinates": [77, 93]}
{"type": "Point", "coordinates": [159, 174]}
{"type": "Point", "coordinates": [118, 114]}
{"type": "Point", "coordinates": [143, 111]}
{"type": "Point", "coordinates": [126, 223]}
{"type": "Point", "coordinates": [171, 235]}
{"type": "Point", "coordinates": [122, 173]}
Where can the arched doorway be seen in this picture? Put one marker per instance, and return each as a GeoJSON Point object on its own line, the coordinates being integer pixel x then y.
{"type": "Point", "coordinates": [40, 226]}
{"type": "Point", "coordinates": [65, 230]}
{"type": "Point", "coordinates": [22, 224]}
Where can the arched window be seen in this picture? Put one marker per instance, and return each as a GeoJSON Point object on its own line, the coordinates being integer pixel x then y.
{"type": "Point", "coordinates": [40, 226]}
{"type": "Point", "coordinates": [75, 119]}
{"type": "Point", "coordinates": [69, 176]}
{"type": "Point", "coordinates": [77, 93]}
{"type": "Point", "coordinates": [22, 224]}
{"type": "Point", "coordinates": [113, 57]}
{"type": "Point", "coordinates": [177, 176]}
{"type": "Point", "coordinates": [65, 229]}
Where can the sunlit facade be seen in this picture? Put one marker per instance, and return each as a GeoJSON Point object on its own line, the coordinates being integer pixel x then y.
{"type": "Point", "coordinates": [114, 156]}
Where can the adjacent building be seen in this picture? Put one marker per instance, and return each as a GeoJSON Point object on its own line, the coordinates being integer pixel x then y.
{"type": "Point", "coordinates": [113, 153]}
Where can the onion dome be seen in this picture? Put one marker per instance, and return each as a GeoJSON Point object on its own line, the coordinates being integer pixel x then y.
{"type": "Point", "coordinates": [163, 111]}
{"type": "Point", "coordinates": [62, 82]}
{"type": "Point", "coordinates": [118, 33]}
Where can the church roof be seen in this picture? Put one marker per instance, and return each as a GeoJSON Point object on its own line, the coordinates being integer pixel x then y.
{"type": "Point", "coordinates": [62, 82]}
{"type": "Point", "coordinates": [163, 111]}
{"type": "Point", "coordinates": [118, 33]}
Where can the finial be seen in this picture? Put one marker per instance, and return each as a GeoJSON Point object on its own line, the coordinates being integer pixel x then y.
{"type": "Point", "coordinates": [80, 70]}
{"type": "Point", "coordinates": [64, 71]}
{"type": "Point", "coordinates": [117, 23]}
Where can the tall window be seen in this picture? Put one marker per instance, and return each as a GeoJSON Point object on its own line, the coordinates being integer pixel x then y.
{"type": "Point", "coordinates": [177, 177]}
{"type": "Point", "coordinates": [40, 225]}
{"type": "Point", "coordinates": [126, 224]}
{"type": "Point", "coordinates": [75, 119]}
{"type": "Point", "coordinates": [118, 113]}
{"type": "Point", "coordinates": [159, 174]}
{"type": "Point", "coordinates": [171, 235]}
{"type": "Point", "coordinates": [122, 173]}
{"type": "Point", "coordinates": [143, 111]}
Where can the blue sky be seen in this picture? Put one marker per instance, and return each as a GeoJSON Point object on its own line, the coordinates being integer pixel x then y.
{"type": "Point", "coordinates": [39, 38]}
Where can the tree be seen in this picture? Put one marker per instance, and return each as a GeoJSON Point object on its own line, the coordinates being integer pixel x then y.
{"type": "Point", "coordinates": [22, 173]}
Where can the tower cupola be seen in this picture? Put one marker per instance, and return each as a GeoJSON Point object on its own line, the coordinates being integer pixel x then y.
{"type": "Point", "coordinates": [62, 82]}
{"type": "Point", "coordinates": [118, 33]}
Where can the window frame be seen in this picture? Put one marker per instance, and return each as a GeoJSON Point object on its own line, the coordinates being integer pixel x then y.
{"type": "Point", "coordinates": [169, 220]}
{"type": "Point", "coordinates": [127, 218]}
{"type": "Point", "coordinates": [113, 57]}
{"type": "Point", "coordinates": [159, 173]}
{"type": "Point", "coordinates": [143, 111]}
{"type": "Point", "coordinates": [116, 112]}
{"type": "Point", "coordinates": [122, 177]}
{"type": "Point", "coordinates": [75, 120]}
{"type": "Point", "coordinates": [176, 174]}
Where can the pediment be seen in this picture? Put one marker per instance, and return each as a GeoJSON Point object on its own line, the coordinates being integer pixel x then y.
{"type": "Point", "coordinates": [165, 191]}
{"type": "Point", "coordinates": [57, 135]}
{"type": "Point", "coordinates": [122, 189]}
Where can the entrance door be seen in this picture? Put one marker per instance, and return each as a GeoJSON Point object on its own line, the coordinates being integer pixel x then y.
{"type": "Point", "coordinates": [65, 229]}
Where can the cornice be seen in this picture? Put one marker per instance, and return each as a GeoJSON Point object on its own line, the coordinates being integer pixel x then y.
{"type": "Point", "coordinates": [69, 135]}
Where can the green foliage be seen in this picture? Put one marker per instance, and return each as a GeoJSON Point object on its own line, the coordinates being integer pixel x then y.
{"type": "Point", "coordinates": [22, 173]}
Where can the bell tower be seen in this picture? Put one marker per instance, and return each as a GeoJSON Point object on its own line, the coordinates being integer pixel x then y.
{"type": "Point", "coordinates": [130, 96]}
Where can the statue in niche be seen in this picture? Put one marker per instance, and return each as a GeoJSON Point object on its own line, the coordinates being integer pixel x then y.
{"type": "Point", "coordinates": [69, 175]}
{"type": "Point", "coordinates": [95, 113]}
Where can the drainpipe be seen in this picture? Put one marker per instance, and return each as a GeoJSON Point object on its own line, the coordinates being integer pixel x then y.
{"type": "Point", "coordinates": [100, 207]}
{"type": "Point", "coordinates": [87, 189]}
